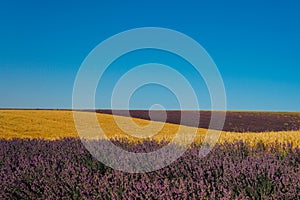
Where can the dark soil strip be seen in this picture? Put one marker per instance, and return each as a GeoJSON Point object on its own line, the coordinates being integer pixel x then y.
{"type": "Point", "coordinates": [235, 121]}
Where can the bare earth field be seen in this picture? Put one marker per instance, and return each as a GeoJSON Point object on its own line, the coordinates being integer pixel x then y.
{"type": "Point", "coordinates": [236, 121]}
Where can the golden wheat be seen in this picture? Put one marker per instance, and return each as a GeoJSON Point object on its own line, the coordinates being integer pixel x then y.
{"type": "Point", "coordinates": [52, 125]}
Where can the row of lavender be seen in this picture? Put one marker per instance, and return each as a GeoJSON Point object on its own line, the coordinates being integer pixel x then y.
{"type": "Point", "coordinates": [38, 169]}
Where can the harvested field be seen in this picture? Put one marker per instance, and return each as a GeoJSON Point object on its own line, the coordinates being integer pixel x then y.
{"type": "Point", "coordinates": [235, 121]}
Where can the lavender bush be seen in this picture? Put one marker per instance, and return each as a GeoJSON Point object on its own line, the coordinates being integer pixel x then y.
{"type": "Point", "coordinates": [64, 169]}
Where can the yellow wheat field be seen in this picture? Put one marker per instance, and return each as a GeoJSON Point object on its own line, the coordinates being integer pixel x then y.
{"type": "Point", "coordinates": [52, 125]}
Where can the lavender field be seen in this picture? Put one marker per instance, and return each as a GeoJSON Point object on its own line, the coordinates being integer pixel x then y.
{"type": "Point", "coordinates": [64, 169]}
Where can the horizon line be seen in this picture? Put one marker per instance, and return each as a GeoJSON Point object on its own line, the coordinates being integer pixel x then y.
{"type": "Point", "coordinates": [140, 109]}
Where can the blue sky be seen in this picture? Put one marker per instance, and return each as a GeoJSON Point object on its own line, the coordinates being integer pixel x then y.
{"type": "Point", "coordinates": [255, 45]}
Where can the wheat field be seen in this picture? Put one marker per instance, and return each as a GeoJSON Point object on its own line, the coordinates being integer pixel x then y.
{"type": "Point", "coordinates": [53, 125]}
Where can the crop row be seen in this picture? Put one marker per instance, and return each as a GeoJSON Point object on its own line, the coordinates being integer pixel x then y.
{"type": "Point", "coordinates": [40, 169]}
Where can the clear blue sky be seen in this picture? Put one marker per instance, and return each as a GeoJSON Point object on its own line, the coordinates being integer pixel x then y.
{"type": "Point", "coordinates": [255, 44]}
